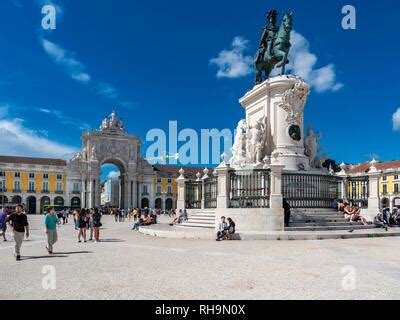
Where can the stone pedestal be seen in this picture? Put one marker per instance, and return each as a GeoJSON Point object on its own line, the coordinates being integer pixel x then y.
{"type": "Point", "coordinates": [276, 198]}
{"type": "Point", "coordinates": [180, 203]}
{"type": "Point", "coordinates": [281, 101]}
{"type": "Point", "coordinates": [223, 186]}
{"type": "Point", "coordinates": [373, 197]}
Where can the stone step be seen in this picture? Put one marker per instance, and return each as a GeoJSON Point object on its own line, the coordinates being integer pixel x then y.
{"type": "Point", "coordinates": [197, 225]}
{"type": "Point", "coordinates": [202, 215]}
{"type": "Point", "coordinates": [202, 218]}
{"type": "Point", "coordinates": [307, 217]}
{"type": "Point", "coordinates": [316, 213]}
{"type": "Point", "coordinates": [314, 210]}
{"type": "Point", "coordinates": [177, 232]}
{"type": "Point", "coordinates": [316, 224]}
{"type": "Point", "coordinates": [330, 228]}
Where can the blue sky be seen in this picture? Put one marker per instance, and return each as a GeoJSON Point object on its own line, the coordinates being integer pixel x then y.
{"type": "Point", "coordinates": [188, 61]}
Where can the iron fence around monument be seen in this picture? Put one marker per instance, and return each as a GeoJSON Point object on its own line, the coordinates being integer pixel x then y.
{"type": "Point", "coordinates": [210, 192]}
{"type": "Point", "coordinates": [249, 189]}
{"type": "Point", "coordinates": [358, 191]}
{"type": "Point", "coordinates": [310, 190]}
{"type": "Point", "coordinates": [193, 191]}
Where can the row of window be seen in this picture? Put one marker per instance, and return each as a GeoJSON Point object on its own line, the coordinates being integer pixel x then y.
{"type": "Point", "coordinates": [158, 189]}
{"type": "Point", "coordinates": [395, 188]}
{"type": "Point", "coordinates": [159, 180]}
{"type": "Point", "coordinates": [17, 174]}
{"type": "Point", "coordinates": [384, 178]}
{"type": "Point", "coordinates": [32, 186]}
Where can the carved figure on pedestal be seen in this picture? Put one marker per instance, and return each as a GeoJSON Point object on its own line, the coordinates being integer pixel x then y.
{"type": "Point", "coordinates": [104, 124]}
{"type": "Point", "coordinates": [255, 146]}
{"type": "Point", "coordinates": [311, 146]}
{"type": "Point", "coordinates": [239, 145]}
{"type": "Point", "coordinates": [77, 157]}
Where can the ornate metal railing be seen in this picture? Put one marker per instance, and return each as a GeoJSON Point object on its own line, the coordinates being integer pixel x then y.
{"type": "Point", "coordinates": [193, 195]}
{"type": "Point", "coordinates": [210, 192]}
{"type": "Point", "coordinates": [310, 191]}
{"type": "Point", "coordinates": [249, 189]}
{"type": "Point", "coordinates": [358, 191]}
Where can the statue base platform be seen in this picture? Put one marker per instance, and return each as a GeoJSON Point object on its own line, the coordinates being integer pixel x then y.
{"type": "Point", "coordinates": [280, 100]}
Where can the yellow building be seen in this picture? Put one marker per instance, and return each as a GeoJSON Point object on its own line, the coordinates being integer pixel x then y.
{"type": "Point", "coordinates": [388, 187]}
{"type": "Point", "coordinates": [34, 182]}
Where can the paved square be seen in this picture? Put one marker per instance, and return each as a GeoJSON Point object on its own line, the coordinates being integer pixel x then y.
{"type": "Point", "coordinates": [129, 265]}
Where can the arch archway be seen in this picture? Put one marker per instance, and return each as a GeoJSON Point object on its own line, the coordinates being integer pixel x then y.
{"type": "Point", "coordinates": [169, 204]}
{"type": "Point", "coordinates": [144, 203]}
{"type": "Point", "coordinates": [31, 205]}
{"type": "Point", "coordinates": [110, 144]}
{"type": "Point", "coordinates": [76, 202]}
{"type": "Point", "coordinates": [16, 200]}
{"type": "Point", "coordinates": [158, 203]}
{"type": "Point", "coordinates": [58, 201]}
{"type": "Point", "coordinates": [44, 201]}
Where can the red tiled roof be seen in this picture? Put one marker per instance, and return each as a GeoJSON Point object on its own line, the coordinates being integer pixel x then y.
{"type": "Point", "coordinates": [364, 167]}
{"type": "Point", "coordinates": [29, 160]}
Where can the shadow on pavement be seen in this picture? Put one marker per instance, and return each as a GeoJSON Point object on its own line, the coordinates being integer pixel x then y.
{"type": "Point", "coordinates": [43, 257]}
{"type": "Point", "coordinates": [72, 252]}
{"type": "Point", "coordinates": [112, 240]}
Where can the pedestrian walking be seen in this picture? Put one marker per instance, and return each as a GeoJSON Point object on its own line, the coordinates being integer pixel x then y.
{"type": "Point", "coordinates": [50, 222]}
{"type": "Point", "coordinates": [17, 222]}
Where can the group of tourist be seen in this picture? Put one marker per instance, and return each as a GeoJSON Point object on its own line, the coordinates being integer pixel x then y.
{"type": "Point", "coordinates": [181, 217]}
{"type": "Point", "coordinates": [352, 213]}
{"type": "Point", "coordinates": [87, 219]}
{"type": "Point", "coordinates": [225, 229]}
{"type": "Point", "coordinates": [387, 218]}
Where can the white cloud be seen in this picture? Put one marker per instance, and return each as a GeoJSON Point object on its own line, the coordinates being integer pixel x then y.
{"type": "Point", "coordinates": [113, 175]}
{"type": "Point", "coordinates": [302, 63]}
{"type": "Point", "coordinates": [77, 70]}
{"type": "Point", "coordinates": [396, 120]}
{"type": "Point", "coordinates": [233, 63]}
{"type": "Point", "coordinates": [107, 90]}
{"type": "Point", "coordinates": [64, 58]}
{"type": "Point", "coordinates": [16, 139]}
{"type": "Point", "coordinates": [65, 119]}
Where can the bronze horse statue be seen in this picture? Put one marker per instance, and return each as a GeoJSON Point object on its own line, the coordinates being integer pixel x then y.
{"type": "Point", "coordinates": [278, 55]}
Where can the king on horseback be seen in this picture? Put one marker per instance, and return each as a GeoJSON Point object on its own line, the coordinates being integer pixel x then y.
{"type": "Point", "coordinates": [274, 46]}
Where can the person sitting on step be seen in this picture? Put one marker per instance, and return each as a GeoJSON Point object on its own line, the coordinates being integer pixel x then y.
{"type": "Point", "coordinates": [222, 227]}
{"type": "Point", "coordinates": [348, 212]}
{"type": "Point", "coordinates": [176, 219]}
{"type": "Point", "coordinates": [231, 229]}
{"type": "Point", "coordinates": [380, 222]}
{"type": "Point", "coordinates": [357, 215]}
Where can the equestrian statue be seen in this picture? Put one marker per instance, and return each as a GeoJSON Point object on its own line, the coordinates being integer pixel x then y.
{"type": "Point", "coordinates": [274, 46]}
